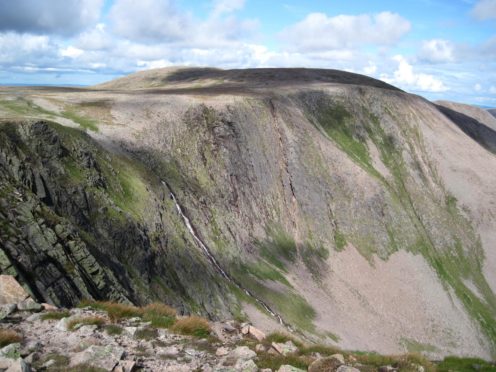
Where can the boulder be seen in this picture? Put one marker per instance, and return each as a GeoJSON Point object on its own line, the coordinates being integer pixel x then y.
{"type": "Point", "coordinates": [11, 291]}
{"type": "Point", "coordinates": [246, 366]}
{"type": "Point", "coordinates": [256, 333]}
{"type": "Point", "coordinates": [338, 357]}
{"type": "Point", "coordinates": [62, 324]}
{"type": "Point", "coordinates": [19, 365]}
{"type": "Point", "coordinates": [125, 366]}
{"type": "Point", "coordinates": [221, 351]}
{"type": "Point", "coordinates": [242, 353]}
{"type": "Point", "coordinates": [330, 363]}
{"type": "Point", "coordinates": [6, 310]}
{"type": "Point", "coordinates": [12, 351]}
{"type": "Point", "coordinates": [29, 305]}
{"type": "Point", "coordinates": [105, 357]}
{"type": "Point", "coordinates": [288, 368]}
{"type": "Point", "coordinates": [260, 348]}
{"type": "Point", "coordinates": [31, 347]}
{"type": "Point", "coordinates": [347, 369]}
{"type": "Point", "coordinates": [284, 349]}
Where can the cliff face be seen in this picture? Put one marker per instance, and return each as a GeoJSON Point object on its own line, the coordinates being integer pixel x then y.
{"type": "Point", "coordinates": [362, 215]}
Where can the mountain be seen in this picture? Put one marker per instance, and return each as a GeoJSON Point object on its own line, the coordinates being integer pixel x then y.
{"type": "Point", "coordinates": [492, 112]}
{"type": "Point", "coordinates": [318, 201]}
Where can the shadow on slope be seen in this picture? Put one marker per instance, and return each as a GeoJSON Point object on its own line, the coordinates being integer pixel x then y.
{"type": "Point", "coordinates": [481, 133]}
{"type": "Point", "coordinates": [279, 76]}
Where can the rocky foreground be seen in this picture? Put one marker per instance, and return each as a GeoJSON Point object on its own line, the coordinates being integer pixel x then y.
{"type": "Point", "coordinates": [105, 336]}
{"type": "Point", "coordinates": [85, 339]}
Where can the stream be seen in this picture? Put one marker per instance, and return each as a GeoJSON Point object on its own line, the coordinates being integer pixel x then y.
{"type": "Point", "coordinates": [216, 264]}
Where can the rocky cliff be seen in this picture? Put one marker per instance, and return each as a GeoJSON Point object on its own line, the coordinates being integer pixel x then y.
{"type": "Point", "coordinates": [363, 216]}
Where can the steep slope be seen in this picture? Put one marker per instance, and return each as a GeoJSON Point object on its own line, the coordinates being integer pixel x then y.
{"type": "Point", "coordinates": [362, 214]}
{"type": "Point", "coordinates": [492, 112]}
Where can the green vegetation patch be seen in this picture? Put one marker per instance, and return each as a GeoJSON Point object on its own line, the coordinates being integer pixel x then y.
{"type": "Point", "coordinates": [455, 364]}
{"type": "Point", "coordinates": [339, 125]}
{"type": "Point", "coordinates": [21, 107]}
{"type": "Point", "coordinates": [84, 122]}
{"type": "Point", "coordinates": [55, 315]}
{"type": "Point", "coordinates": [417, 347]}
{"type": "Point", "coordinates": [279, 248]}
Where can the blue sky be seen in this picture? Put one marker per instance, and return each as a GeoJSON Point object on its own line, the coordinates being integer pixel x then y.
{"type": "Point", "coordinates": [440, 49]}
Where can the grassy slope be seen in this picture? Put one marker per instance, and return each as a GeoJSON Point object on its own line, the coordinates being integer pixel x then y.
{"type": "Point", "coordinates": [452, 263]}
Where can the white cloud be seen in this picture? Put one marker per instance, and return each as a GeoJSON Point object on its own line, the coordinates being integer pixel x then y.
{"type": "Point", "coordinates": [149, 20]}
{"type": "Point", "coordinates": [406, 77]}
{"type": "Point", "coordinates": [71, 52]}
{"type": "Point", "coordinates": [492, 89]}
{"type": "Point", "coordinates": [96, 38]}
{"type": "Point", "coordinates": [477, 87]}
{"type": "Point", "coordinates": [370, 69]}
{"type": "Point", "coordinates": [317, 31]}
{"type": "Point", "coordinates": [15, 48]}
{"type": "Point", "coordinates": [160, 21]}
{"type": "Point", "coordinates": [227, 6]}
{"type": "Point", "coordinates": [485, 9]}
{"type": "Point", "coordinates": [437, 51]}
{"type": "Point", "coordinates": [65, 17]}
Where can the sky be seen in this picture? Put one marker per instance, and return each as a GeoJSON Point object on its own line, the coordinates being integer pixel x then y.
{"type": "Point", "coordinates": [440, 49]}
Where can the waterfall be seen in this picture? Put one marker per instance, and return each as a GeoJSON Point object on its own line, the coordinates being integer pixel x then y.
{"type": "Point", "coordinates": [216, 264]}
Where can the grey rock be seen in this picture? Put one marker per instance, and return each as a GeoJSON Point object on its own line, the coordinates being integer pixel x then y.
{"type": "Point", "coordinates": [347, 369]}
{"type": "Point", "coordinates": [242, 353]}
{"type": "Point", "coordinates": [31, 347]}
{"type": "Point", "coordinates": [6, 310]}
{"type": "Point", "coordinates": [62, 324]}
{"type": "Point", "coordinates": [284, 348]}
{"type": "Point", "coordinates": [246, 366]}
{"type": "Point", "coordinates": [29, 305]}
{"type": "Point", "coordinates": [221, 351]}
{"type": "Point", "coordinates": [19, 365]}
{"type": "Point", "coordinates": [105, 357]}
{"type": "Point", "coordinates": [12, 351]}
{"type": "Point", "coordinates": [288, 368]}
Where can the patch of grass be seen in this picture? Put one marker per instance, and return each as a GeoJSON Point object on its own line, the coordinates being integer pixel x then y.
{"type": "Point", "coordinates": [9, 336]}
{"type": "Point", "coordinates": [279, 248]}
{"type": "Point", "coordinates": [86, 320]}
{"type": "Point", "coordinates": [193, 326]}
{"type": "Point", "coordinates": [452, 364]}
{"type": "Point", "coordinates": [337, 123]}
{"type": "Point", "coordinates": [84, 122]}
{"type": "Point", "coordinates": [84, 368]}
{"type": "Point", "coordinates": [55, 315]}
{"type": "Point", "coordinates": [324, 350]}
{"type": "Point", "coordinates": [314, 258]}
{"type": "Point", "coordinates": [282, 337]}
{"type": "Point", "coordinates": [146, 334]}
{"type": "Point", "coordinates": [159, 309]}
{"type": "Point", "coordinates": [417, 347]}
{"type": "Point", "coordinates": [115, 311]}
{"type": "Point", "coordinates": [113, 329]}
{"type": "Point", "coordinates": [274, 362]}
{"type": "Point", "coordinates": [264, 271]}
{"type": "Point", "coordinates": [339, 240]}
